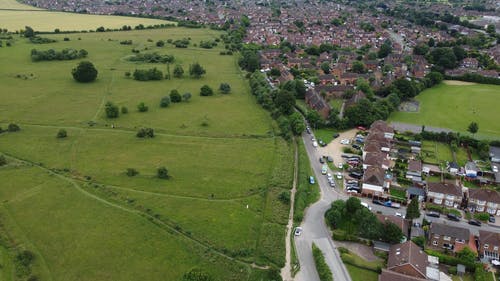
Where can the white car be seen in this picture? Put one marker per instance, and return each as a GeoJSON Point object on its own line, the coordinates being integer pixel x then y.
{"type": "Point", "coordinates": [366, 205]}
{"type": "Point", "coordinates": [339, 175]}
{"type": "Point", "coordinates": [495, 169]}
{"type": "Point", "coordinates": [345, 141]}
{"type": "Point", "coordinates": [315, 144]}
{"type": "Point", "coordinates": [341, 165]}
{"type": "Point", "coordinates": [399, 215]}
{"type": "Point", "coordinates": [298, 231]}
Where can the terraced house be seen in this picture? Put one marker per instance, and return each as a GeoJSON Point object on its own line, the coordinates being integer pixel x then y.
{"type": "Point", "coordinates": [447, 194]}
{"type": "Point", "coordinates": [484, 200]}
{"type": "Point", "coordinates": [489, 243]}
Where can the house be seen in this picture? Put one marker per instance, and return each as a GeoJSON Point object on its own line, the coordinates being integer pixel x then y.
{"type": "Point", "coordinates": [447, 194]}
{"type": "Point", "coordinates": [388, 275]}
{"type": "Point", "coordinates": [379, 159]}
{"type": "Point", "coordinates": [374, 181]}
{"type": "Point", "coordinates": [471, 169]}
{"type": "Point", "coordinates": [318, 103]}
{"type": "Point", "coordinates": [414, 170]}
{"type": "Point", "coordinates": [488, 245]}
{"type": "Point", "coordinates": [453, 238]}
{"type": "Point", "coordinates": [416, 192]}
{"type": "Point", "coordinates": [484, 200]}
{"type": "Point", "coordinates": [408, 259]}
{"type": "Point", "coordinates": [382, 127]}
{"type": "Point", "coordinates": [383, 143]}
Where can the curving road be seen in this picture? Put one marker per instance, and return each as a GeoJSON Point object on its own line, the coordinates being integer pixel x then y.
{"type": "Point", "coordinates": [315, 229]}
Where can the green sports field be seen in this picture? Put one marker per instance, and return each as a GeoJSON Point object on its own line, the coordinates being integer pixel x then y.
{"type": "Point", "coordinates": [455, 107]}
{"type": "Point", "coordinates": [69, 200]}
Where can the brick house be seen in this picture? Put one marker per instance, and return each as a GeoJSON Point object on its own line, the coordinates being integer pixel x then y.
{"type": "Point", "coordinates": [374, 182]}
{"type": "Point", "coordinates": [380, 126]}
{"type": "Point", "coordinates": [484, 200]}
{"type": "Point", "coordinates": [453, 238]}
{"type": "Point", "coordinates": [408, 259]}
{"type": "Point", "coordinates": [379, 159]}
{"type": "Point", "coordinates": [318, 103]}
{"type": "Point", "coordinates": [447, 194]}
{"type": "Point", "coordinates": [489, 243]}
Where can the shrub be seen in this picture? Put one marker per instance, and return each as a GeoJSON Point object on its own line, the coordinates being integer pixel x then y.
{"type": "Point", "coordinates": [319, 260]}
{"type": "Point", "coordinates": [3, 161]}
{"type": "Point", "coordinates": [13, 127]}
{"type": "Point", "coordinates": [142, 107]}
{"type": "Point", "coordinates": [84, 72]}
{"type": "Point", "coordinates": [111, 110]}
{"type": "Point", "coordinates": [482, 216]}
{"type": "Point", "coordinates": [148, 74]}
{"type": "Point", "coordinates": [165, 101]}
{"type": "Point", "coordinates": [284, 197]}
{"type": "Point", "coordinates": [124, 110]}
{"type": "Point", "coordinates": [162, 173]}
{"type": "Point", "coordinates": [175, 96]}
{"type": "Point", "coordinates": [225, 88]}
{"type": "Point", "coordinates": [145, 133]}
{"type": "Point", "coordinates": [206, 91]}
{"type": "Point", "coordinates": [131, 172]}
{"type": "Point", "coordinates": [62, 134]}
{"type": "Point", "coordinates": [186, 96]}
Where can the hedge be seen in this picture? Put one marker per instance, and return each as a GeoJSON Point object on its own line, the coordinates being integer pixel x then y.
{"type": "Point", "coordinates": [450, 260]}
{"type": "Point", "coordinates": [323, 270]}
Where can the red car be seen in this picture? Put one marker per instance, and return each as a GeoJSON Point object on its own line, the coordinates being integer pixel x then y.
{"type": "Point", "coordinates": [361, 128]}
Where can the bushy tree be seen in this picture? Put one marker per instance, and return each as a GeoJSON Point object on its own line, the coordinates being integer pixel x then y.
{"type": "Point", "coordinates": [285, 101]}
{"type": "Point", "coordinates": [186, 97]}
{"type": "Point", "coordinates": [358, 67]}
{"type": "Point", "coordinates": [385, 49]}
{"type": "Point", "coordinates": [297, 123]}
{"type": "Point", "coordinates": [225, 88]}
{"type": "Point", "coordinates": [196, 275]}
{"type": "Point", "coordinates": [85, 72]}
{"type": "Point", "coordinates": [142, 107]}
{"type": "Point", "coordinates": [145, 133]}
{"type": "Point", "coordinates": [249, 60]}
{"type": "Point", "coordinates": [165, 101]}
{"type": "Point", "coordinates": [178, 71]}
{"type": "Point", "coordinates": [196, 70]}
{"type": "Point", "coordinates": [111, 110]}
{"type": "Point", "coordinates": [392, 233]}
{"type": "Point", "coordinates": [13, 127]}
{"type": "Point", "coordinates": [473, 128]}
{"type": "Point", "coordinates": [124, 110]}
{"type": "Point", "coordinates": [206, 91]}
{"type": "Point", "coordinates": [62, 134]}
{"type": "Point", "coordinates": [148, 74]}
{"type": "Point", "coordinates": [29, 32]}
{"type": "Point", "coordinates": [3, 161]}
{"type": "Point", "coordinates": [175, 96]}
{"type": "Point", "coordinates": [160, 43]}
{"type": "Point", "coordinates": [434, 78]}
{"type": "Point", "coordinates": [131, 172]}
{"type": "Point", "coordinates": [162, 173]}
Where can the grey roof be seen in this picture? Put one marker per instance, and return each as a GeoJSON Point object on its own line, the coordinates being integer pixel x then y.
{"type": "Point", "coordinates": [451, 231]}
{"type": "Point", "coordinates": [416, 191]}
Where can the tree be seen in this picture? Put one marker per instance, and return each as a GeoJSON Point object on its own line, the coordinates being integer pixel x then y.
{"type": "Point", "coordinates": [131, 172]}
{"type": "Point", "coordinates": [225, 88]}
{"type": "Point", "coordinates": [285, 101]}
{"type": "Point", "coordinates": [249, 60]}
{"type": "Point", "coordinates": [325, 67]}
{"type": "Point", "coordinates": [421, 49]}
{"type": "Point", "coordinates": [142, 107]}
{"type": "Point", "coordinates": [473, 128]}
{"type": "Point", "coordinates": [467, 255]}
{"type": "Point", "coordinates": [358, 67]}
{"type": "Point", "coordinates": [313, 117]}
{"type": "Point", "coordinates": [274, 72]}
{"type": "Point", "coordinates": [186, 97]}
{"type": "Point", "coordinates": [385, 49]}
{"type": "Point", "coordinates": [178, 71]}
{"type": "Point", "coordinates": [196, 70]}
{"type": "Point", "coordinates": [85, 72]}
{"type": "Point", "coordinates": [175, 96]}
{"type": "Point", "coordinates": [196, 275]}
{"type": "Point", "coordinates": [13, 127]}
{"type": "Point", "coordinates": [160, 43]}
{"type": "Point", "coordinates": [3, 161]}
{"type": "Point", "coordinates": [145, 133]}
{"type": "Point", "coordinates": [111, 110]}
{"type": "Point", "coordinates": [491, 29]}
{"type": "Point", "coordinates": [124, 110]}
{"type": "Point", "coordinates": [392, 233]}
{"type": "Point", "coordinates": [205, 91]}
{"type": "Point", "coordinates": [434, 77]}
{"type": "Point", "coordinates": [162, 173]}
{"type": "Point", "coordinates": [165, 101]}
{"type": "Point", "coordinates": [62, 134]}
{"type": "Point", "coordinates": [297, 123]}
{"type": "Point", "coordinates": [413, 212]}
{"type": "Point", "coordinates": [29, 32]}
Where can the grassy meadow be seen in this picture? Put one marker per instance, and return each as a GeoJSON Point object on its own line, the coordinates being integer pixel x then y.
{"type": "Point", "coordinates": [70, 202]}
{"type": "Point", "coordinates": [15, 16]}
{"type": "Point", "coordinates": [455, 107]}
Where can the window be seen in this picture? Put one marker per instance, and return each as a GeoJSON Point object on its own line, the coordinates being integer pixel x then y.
{"type": "Point", "coordinates": [486, 246]}
{"type": "Point", "coordinates": [436, 236]}
{"type": "Point", "coordinates": [446, 238]}
{"type": "Point", "coordinates": [461, 241]}
{"type": "Point", "coordinates": [495, 248]}
{"type": "Point", "coordinates": [435, 243]}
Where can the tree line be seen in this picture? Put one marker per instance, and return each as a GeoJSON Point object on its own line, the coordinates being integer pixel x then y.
{"type": "Point", "coordinates": [51, 54]}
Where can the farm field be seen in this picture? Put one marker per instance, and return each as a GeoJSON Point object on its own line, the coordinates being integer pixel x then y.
{"type": "Point", "coordinates": [455, 107]}
{"type": "Point", "coordinates": [69, 201]}
{"type": "Point", "coordinates": [43, 20]}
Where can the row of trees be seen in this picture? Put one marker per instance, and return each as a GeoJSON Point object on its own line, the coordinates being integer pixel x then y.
{"type": "Point", "coordinates": [195, 71]}
{"type": "Point", "coordinates": [51, 54]}
{"type": "Point", "coordinates": [151, 58]}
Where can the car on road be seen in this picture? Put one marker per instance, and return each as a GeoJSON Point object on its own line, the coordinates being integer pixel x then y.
{"type": "Point", "coordinates": [377, 202]}
{"type": "Point", "coordinates": [315, 144]}
{"type": "Point", "coordinates": [495, 169]}
{"type": "Point", "coordinates": [298, 231]}
{"type": "Point", "coordinates": [344, 141]}
{"type": "Point", "coordinates": [433, 214]}
{"type": "Point", "coordinates": [452, 217]}
{"type": "Point", "coordinates": [321, 160]}
{"type": "Point", "coordinates": [474, 222]}
{"type": "Point", "coordinates": [416, 224]}
{"type": "Point", "coordinates": [336, 135]}
{"type": "Point", "coordinates": [339, 175]}
{"type": "Point", "coordinates": [399, 215]}
{"type": "Point", "coordinates": [311, 180]}
{"type": "Point", "coordinates": [332, 183]}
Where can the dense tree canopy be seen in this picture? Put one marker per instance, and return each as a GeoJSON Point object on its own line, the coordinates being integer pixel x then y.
{"type": "Point", "coordinates": [84, 72]}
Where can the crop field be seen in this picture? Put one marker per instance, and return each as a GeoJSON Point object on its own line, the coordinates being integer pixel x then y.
{"type": "Point", "coordinates": [70, 202]}
{"type": "Point", "coordinates": [455, 107]}
{"type": "Point", "coordinates": [21, 15]}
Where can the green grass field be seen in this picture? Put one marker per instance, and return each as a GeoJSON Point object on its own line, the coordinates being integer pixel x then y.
{"type": "Point", "coordinates": [43, 20]}
{"type": "Point", "coordinates": [455, 107]}
{"type": "Point", "coordinates": [69, 200]}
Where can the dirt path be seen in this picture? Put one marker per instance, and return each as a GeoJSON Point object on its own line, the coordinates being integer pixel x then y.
{"type": "Point", "coordinates": [334, 146]}
{"type": "Point", "coordinates": [286, 271]}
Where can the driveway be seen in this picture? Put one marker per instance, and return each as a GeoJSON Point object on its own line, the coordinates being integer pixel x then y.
{"type": "Point", "coordinates": [334, 148]}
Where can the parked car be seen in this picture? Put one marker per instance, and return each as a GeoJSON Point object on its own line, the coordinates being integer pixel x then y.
{"type": "Point", "coordinates": [356, 146]}
{"type": "Point", "coordinates": [311, 180]}
{"type": "Point", "coordinates": [341, 165]}
{"type": "Point", "coordinates": [356, 175]}
{"type": "Point", "coordinates": [321, 143]}
{"type": "Point", "coordinates": [339, 175]}
{"type": "Point", "coordinates": [399, 215]}
{"type": "Point", "coordinates": [495, 169]}
{"type": "Point", "coordinates": [475, 222]}
{"type": "Point", "coordinates": [345, 141]}
{"type": "Point", "coordinates": [453, 217]}
{"type": "Point", "coordinates": [377, 202]}
{"type": "Point", "coordinates": [315, 144]}
{"type": "Point", "coordinates": [329, 158]}
{"type": "Point", "coordinates": [308, 130]}
{"type": "Point", "coordinates": [298, 231]}
{"type": "Point", "coordinates": [433, 214]}
{"type": "Point", "coordinates": [336, 135]}
{"type": "Point", "coordinates": [491, 219]}
{"type": "Point", "coordinates": [321, 160]}
{"type": "Point", "coordinates": [332, 183]}
{"type": "Point", "coordinates": [361, 128]}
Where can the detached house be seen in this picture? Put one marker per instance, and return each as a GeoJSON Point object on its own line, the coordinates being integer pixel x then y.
{"type": "Point", "coordinates": [453, 238]}
{"type": "Point", "coordinates": [489, 243]}
{"type": "Point", "coordinates": [408, 259]}
{"type": "Point", "coordinates": [484, 200]}
{"type": "Point", "coordinates": [447, 194]}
